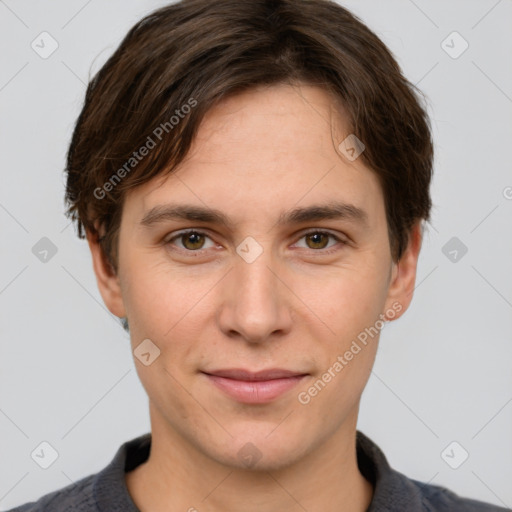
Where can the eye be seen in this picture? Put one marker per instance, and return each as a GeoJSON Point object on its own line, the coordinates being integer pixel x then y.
{"type": "Point", "coordinates": [194, 240]}
{"type": "Point", "coordinates": [318, 240]}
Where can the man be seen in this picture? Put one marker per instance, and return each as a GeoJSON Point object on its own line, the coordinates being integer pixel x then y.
{"type": "Point", "coordinates": [252, 179]}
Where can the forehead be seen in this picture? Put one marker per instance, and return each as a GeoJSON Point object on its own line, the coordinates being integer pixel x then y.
{"type": "Point", "coordinates": [264, 151]}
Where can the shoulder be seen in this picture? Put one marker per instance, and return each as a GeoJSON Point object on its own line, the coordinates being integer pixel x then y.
{"type": "Point", "coordinates": [102, 491]}
{"type": "Point", "coordinates": [395, 491]}
{"type": "Point", "coordinates": [435, 498]}
{"type": "Point", "coordinates": [76, 497]}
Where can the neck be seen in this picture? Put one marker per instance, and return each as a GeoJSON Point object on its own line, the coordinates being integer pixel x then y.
{"type": "Point", "coordinates": [179, 477]}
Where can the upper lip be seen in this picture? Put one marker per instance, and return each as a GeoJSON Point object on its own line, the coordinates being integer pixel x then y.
{"type": "Point", "coordinates": [241, 374]}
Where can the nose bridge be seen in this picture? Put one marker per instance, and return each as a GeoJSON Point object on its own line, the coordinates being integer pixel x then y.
{"type": "Point", "coordinates": [255, 281]}
{"type": "Point", "coordinates": [255, 305]}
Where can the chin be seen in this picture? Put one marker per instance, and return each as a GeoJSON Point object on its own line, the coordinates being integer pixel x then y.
{"type": "Point", "coordinates": [261, 449]}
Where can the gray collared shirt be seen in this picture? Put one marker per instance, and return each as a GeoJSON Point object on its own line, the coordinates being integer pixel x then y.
{"type": "Point", "coordinates": [106, 491]}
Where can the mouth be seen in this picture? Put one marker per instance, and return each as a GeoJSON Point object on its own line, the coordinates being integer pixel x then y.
{"type": "Point", "coordinates": [254, 387]}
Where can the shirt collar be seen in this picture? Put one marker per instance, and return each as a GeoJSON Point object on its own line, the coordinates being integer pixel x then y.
{"type": "Point", "coordinates": [392, 490]}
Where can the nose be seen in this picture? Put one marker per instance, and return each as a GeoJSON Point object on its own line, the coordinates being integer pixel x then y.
{"type": "Point", "coordinates": [255, 303]}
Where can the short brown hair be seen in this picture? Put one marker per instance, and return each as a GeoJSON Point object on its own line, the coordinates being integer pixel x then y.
{"type": "Point", "coordinates": [194, 53]}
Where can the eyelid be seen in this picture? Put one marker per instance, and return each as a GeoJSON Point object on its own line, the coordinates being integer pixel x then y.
{"type": "Point", "coordinates": [178, 234]}
{"type": "Point", "coordinates": [300, 235]}
{"type": "Point", "coordinates": [341, 241]}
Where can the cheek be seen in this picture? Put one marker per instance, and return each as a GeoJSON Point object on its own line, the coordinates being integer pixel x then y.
{"type": "Point", "coordinates": [345, 302]}
{"type": "Point", "coordinates": [169, 308]}
{"type": "Point", "coordinates": [349, 304]}
{"type": "Point", "coordinates": [166, 309]}
{"type": "Point", "coordinates": [346, 367]}
{"type": "Point", "coordinates": [155, 297]}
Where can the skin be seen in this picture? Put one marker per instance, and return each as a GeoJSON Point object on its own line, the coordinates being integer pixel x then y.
{"type": "Point", "coordinates": [257, 154]}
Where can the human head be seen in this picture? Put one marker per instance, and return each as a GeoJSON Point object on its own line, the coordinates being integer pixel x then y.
{"type": "Point", "coordinates": [178, 62]}
{"type": "Point", "coordinates": [239, 107]}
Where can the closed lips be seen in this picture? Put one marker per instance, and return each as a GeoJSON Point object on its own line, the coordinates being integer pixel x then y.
{"type": "Point", "coordinates": [263, 375]}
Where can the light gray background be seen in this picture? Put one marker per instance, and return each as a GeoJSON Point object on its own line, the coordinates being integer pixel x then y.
{"type": "Point", "coordinates": [443, 371]}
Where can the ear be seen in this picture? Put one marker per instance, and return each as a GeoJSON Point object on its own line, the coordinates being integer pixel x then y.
{"type": "Point", "coordinates": [107, 279]}
{"type": "Point", "coordinates": [403, 276]}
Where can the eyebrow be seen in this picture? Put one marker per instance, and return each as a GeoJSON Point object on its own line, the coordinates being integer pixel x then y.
{"type": "Point", "coordinates": [333, 210]}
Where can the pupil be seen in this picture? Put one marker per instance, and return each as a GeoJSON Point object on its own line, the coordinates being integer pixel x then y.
{"type": "Point", "coordinates": [193, 238]}
{"type": "Point", "coordinates": [316, 238]}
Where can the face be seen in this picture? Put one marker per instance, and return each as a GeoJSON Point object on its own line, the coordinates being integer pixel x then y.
{"type": "Point", "coordinates": [275, 285]}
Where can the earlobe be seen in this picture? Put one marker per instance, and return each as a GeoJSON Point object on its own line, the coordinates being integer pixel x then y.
{"type": "Point", "coordinates": [106, 278]}
{"type": "Point", "coordinates": [403, 277]}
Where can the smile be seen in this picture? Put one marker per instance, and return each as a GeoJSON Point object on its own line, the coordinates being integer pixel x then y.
{"type": "Point", "coordinates": [254, 388]}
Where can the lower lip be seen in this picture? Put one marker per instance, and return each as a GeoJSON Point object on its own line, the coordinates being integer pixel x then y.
{"type": "Point", "coordinates": [255, 392]}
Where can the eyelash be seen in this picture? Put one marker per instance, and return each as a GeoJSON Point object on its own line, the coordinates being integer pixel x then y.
{"type": "Point", "coordinates": [200, 251]}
